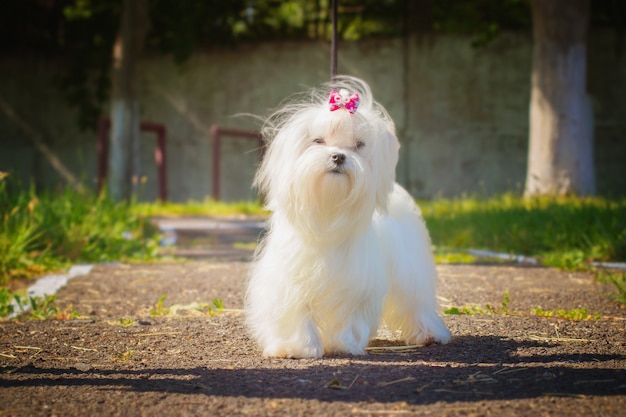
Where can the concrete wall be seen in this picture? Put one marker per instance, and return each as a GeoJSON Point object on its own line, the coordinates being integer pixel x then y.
{"type": "Point", "coordinates": [461, 113]}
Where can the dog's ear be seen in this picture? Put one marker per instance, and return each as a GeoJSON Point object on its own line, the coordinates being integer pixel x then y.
{"type": "Point", "coordinates": [283, 148]}
{"type": "Point", "coordinates": [386, 160]}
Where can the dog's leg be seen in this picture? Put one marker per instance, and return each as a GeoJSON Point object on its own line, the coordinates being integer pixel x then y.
{"type": "Point", "coordinates": [282, 327]}
{"type": "Point", "coordinates": [353, 335]}
{"type": "Point", "coordinates": [411, 305]}
{"type": "Point", "coordinates": [419, 324]}
{"type": "Point", "coordinates": [295, 338]}
{"type": "Point", "coordinates": [284, 331]}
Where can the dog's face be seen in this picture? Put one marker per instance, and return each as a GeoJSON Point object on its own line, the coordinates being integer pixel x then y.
{"type": "Point", "coordinates": [329, 170]}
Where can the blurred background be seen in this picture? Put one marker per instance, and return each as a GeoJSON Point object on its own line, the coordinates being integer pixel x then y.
{"type": "Point", "coordinates": [455, 76]}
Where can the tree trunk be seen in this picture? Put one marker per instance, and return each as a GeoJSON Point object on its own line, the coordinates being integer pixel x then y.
{"type": "Point", "coordinates": [125, 115]}
{"type": "Point", "coordinates": [560, 156]}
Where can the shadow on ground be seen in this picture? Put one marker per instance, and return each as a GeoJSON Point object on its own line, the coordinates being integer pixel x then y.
{"type": "Point", "coordinates": [469, 369]}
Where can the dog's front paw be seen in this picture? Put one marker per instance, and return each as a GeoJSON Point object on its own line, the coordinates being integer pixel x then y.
{"type": "Point", "coordinates": [290, 350]}
{"type": "Point", "coordinates": [442, 336]}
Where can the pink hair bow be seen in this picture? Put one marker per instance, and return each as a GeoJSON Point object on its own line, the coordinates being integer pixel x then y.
{"type": "Point", "coordinates": [339, 99]}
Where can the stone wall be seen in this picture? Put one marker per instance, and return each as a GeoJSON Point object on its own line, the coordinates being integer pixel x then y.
{"type": "Point", "coordinates": [461, 113]}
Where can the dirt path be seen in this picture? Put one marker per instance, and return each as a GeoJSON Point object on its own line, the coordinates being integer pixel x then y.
{"type": "Point", "coordinates": [124, 360]}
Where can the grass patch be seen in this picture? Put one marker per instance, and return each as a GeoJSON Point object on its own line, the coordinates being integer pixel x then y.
{"type": "Point", "coordinates": [158, 310]}
{"type": "Point", "coordinates": [457, 257]}
{"type": "Point", "coordinates": [41, 308]}
{"type": "Point", "coordinates": [575, 314]}
{"type": "Point", "coordinates": [207, 207]}
{"type": "Point", "coordinates": [216, 306]}
{"type": "Point", "coordinates": [126, 321]}
{"type": "Point", "coordinates": [48, 231]}
{"type": "Point", "coordinates": [618, 280]}
{"type": "Point", "coordinates": [6, 302]}
{"type": "Point", "coordinates": [566, 232]}
{"type": "Point", "coordinates": [245, 245]}
{"type": "Point", "coordinates": [562, 232]}
{"type": "Point", "coordinates": [37, 308]}
{"type": "Point", "coordinates": [474, 310]}
{"type": "Point", "coordinates": [213, 308]}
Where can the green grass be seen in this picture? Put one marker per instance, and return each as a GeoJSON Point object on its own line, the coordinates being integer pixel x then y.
{"type": "Point", "coordinates": [126, 321]}
{"type": "Point", "coordinates": [564, 232]}
{"type": "Point", "coordinates": [36, 308]}
{"type": "Point", "coordinates": [42, 232]}
{"type": "Point", "coordinates": [6, 299]}
{"type": "Point", "coordinates": [158, 310]}
{"type": "Point", "coordinates": [477, 310]}
{"type": "Point", "coordinates": [207, 207]}
{"type": "Point", "coordinates": [618, 280]}
{"type": "Point", "coordinates": [212, 308]}
{"type": "Point", "coordinates": [575, 314]}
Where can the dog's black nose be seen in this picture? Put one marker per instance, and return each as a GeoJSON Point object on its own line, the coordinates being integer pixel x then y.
{"type": "Point", "coordinates": [338, 158]}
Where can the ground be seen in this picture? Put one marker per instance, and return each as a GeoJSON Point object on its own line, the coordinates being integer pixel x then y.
{"type": "Point", "coordinates": [129, 355]}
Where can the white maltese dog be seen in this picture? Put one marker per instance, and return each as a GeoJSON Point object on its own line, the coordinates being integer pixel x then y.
{"type": "Point", "coordinates": [346, 246]}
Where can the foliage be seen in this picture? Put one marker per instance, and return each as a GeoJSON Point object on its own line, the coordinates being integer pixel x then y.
{"type": "Point", "coordinates": [47, 231]}
{"type": "Point", "coordinates": [311, 19]}
{"type": "Point", "coordinates": [82, 32]}
{"type": "Point", "coordinates": [477, 310]}
{"type": "Point", "coordinates": [6, 302]}
{"type": "Point", "coordinates": [575, 314]}
{"type": "Point", "coordinates": [617, 280]}
{"type": "Point", "coordinates": [212, 308]}
{"type": "Point", "coordinates": [158, 310]}
{"type": "Point", "coordinates": [38, 308]}
{"type": "Point", "coordinates": [178, 28]}
{"type": "Point", "coordinates": [482, 19]}
{"type": "Point", "coordinates": [562, 232]}
{"type": "Point", "coordinates": [208, 207]}
{"type": "Point", "coordinates": [454, 257]}
{"type": "Point", "coordinates": [41, 307]}
{"type": "Point", "coordinates": [89, 30]}
{"type": "Point", "coordinates": [126, 321]}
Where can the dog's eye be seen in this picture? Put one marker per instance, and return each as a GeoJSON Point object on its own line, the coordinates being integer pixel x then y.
{"type": "Point", "coordinates": [360, 144]}
{"type": "Point", "coordinates": [319, 141]}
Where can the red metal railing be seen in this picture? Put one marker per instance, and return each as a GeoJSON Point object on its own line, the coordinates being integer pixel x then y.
{"type": "Point", "coordinates": [216, 136]}
{"type": "Point", "coordinates": [102, 148]}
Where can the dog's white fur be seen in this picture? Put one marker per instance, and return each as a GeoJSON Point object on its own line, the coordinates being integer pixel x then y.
{"type": "Point", "coordinates": [346, 246]}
